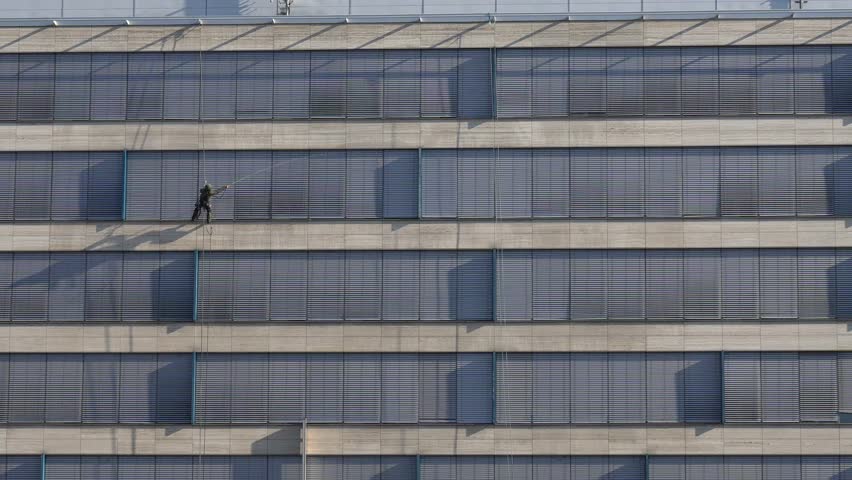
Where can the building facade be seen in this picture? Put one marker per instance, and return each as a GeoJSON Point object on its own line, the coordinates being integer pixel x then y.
{"type": "Point", "coordinates": [601, 249]}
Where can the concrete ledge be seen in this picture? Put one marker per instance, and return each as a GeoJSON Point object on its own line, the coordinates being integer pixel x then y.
{"type": "Point", "coordinates": [149, 440]}
{"type": "Point", "coordinates": [429, 440]}
{"type": "Point", "coordinates": [353, 134]}
{"type": "Point", "coordinates": [429, 234]}
{"type": "Point", "coordinates": [579, 440]}
{"type": "Point", "coordinates": [432, 337]}
{"type": "Point", "coordinates": [152, 38]}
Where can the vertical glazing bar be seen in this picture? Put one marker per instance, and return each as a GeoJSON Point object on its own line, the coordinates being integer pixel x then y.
{"type": "Point", "coordinates": [722, 386]}
{"type": "Point", "coordinates": [494, 388]}
{"type": "Point", "coordinates": [419, 183]}
{"type": "Point", "coordinates": [417, 467]}
{"type": "Point", "coordinates": [43, 466]}
{"type": "Point", "coordinates": [304, 448]}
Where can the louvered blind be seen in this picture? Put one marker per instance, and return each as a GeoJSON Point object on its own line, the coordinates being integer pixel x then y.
{"type": "Point", "coordinates": [8, 87]}
{"type": "Point", "coordinates": [663, 182]}
{"type": "Point", "coordinates": [400, 285]}
{"type": "Point", "coordinates": [551, 388]}
{"type": "Point", "coordinates": [327, 184]}
{"type": "Point", "coordinates": [627, 388]}
{"type": "Point", "coordinates": [362, 386]}
{"type": "Point", "coordinates": [251, 286]}
{"type": "Point", "coordinates": [779, 375]}
{"type": "Point", "coordinates": [249, 384]}
{"type": "Point", "coordinates": [287, 387]}
{"type": "Point", "coordinates": [288, 291]}
{"type": "Point", "coordinates": [326, 274]}
{"type": "Point", "coordinates": [438, 285]}
{"type": "Point", "coordinates": [514, 285]}
{"type": "Point", "coordinates": [742, 387]}
{"type": "Point", "coordinates": [624, 80]}
{"type": "Point", "coordinates": [739, 181]}
{"type": "Point", "coordinates": [36, 75]}
{"type": "Point", "coordinates": [589, 384]}
{"type": "Point", "coordinates": [816, 283]}
{"type": "Point", "coordinates": [818, 400]}
{"type": "Point", "coordinates": [324, 403]}
{"type": "Point", "coordinates": [775, 80]}
{"type": "Point", "coordinates": [625, 295]}
{"type": "Point", "coordinates": [69, 187]}
{"type": "Point", "coordinates": [514, 394]}
{"type": "Point", "coordinates": [625, 189]}
{"type": "Point", "coordinates": [73, 86]}
{"type": "Point", "coordinates": [777, 182]}
{"type": "Point", "coordinates": [588, 285]}
{"type": "Point", "coordinates": [255, 85]}
{"type": "Point", "coordinates": [588, 185]}
{"type": "Point", "coordinates": [550, 191]}
{"type": "Point", "coordinates": [101, 388]}
{"type": "Point", "coordinates": [666, 380]}
{"type": "Point", "coordinates": [551, 285]}
{"type": "Point", "coordinates": [252, 194]}
{"type": "Point", "coordinates": [514, 83]}
{"type": "Point", "coordinates": [292, 85]}
{"type": "Point", "coordinates": [182, 86]}
{"type": "Point", "coordinates": [778, 292]}
{"type": "Point", "coordinates": [109, 86]}
{"type": "Point", "coordinates": [219, 85]}
{"type": "Point", "coordinates": [737, 81]}
{"type": "Point", "coordinates": [364, 184]}
{"type": "Point", "coordinates": [364, 84]}
{"type": "Point", "coordinates": [813, 80]}
{"type": "Point", "coordinates": [439, 83]}
{"type": "Point", "coordinates": [700, 182]}
{"type": "Point", "coordinates": [363, 286]}
{"type": "Point", "coordinates": [702, 376]}
{"type": "Point", "coordinates": [213, 388]}
{"type": "Point", "coordinates": [702, 285]}
{"type": "Point", "coordinates": [328, 84]}
{"type": "Point", "coordinates": [438, 388]}
{"type": "Point", "coordinates": [399, 392]}
{"type": "Point", "coordinates": [664, 284]}
{"type": "Point", "coordinates": [145, 86]}
{"type": "Point", "coordinates": [290, 187]}
{"type": "Point", "coordinates": [400, 175]}
{"type": "Point", "coordinates": [588, 87]}
{"type": "Point", "coordinates": [814, 181]}
{"type": "Point", "coordinates": [402, 83]}
{"type": "Point", "coordinates": [513, 183]}
{"type": "Point", "coordinates": [475, 391]}
{"type": "Point", "coordinates": [63, 388]}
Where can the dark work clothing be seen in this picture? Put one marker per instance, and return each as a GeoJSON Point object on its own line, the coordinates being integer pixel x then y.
{"type": "Point", "coordinates": [205, 194]}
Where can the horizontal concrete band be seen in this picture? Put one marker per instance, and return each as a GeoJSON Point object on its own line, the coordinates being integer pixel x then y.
{"type": "Point", "coordinates": [429, 235]}
{"type": "Point", "coordinates": [413, 337]}
{"type": "Point", "coordinates": [449, 133]}
{"type": "Point", "coordinates": [427, 35]}
{"type": "Point", "coordinates": [429, 440]}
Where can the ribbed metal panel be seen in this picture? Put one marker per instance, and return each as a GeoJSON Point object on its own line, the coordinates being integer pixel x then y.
{"type": "Point", "coordinates": [325, 388]}
{"type": "Point", "coordinates": [138, 389]}
{"type": "Point", "coordinates": [64, 388]}
{"type": "Point", "coordinates": [438, 285]}
{"type": "Point", "coordinates": [551, 285]}
{"type": "Point", "coordinates": [625, 295]}
{"type": "Point", "coordinates": [67, 286]}
{"type": "Point", "coordinates": [775, 80]}
{"type": "Point", "coordinates": [289, 178]}
{"type": "Point", "coordinates": [702, 284]}
{"type": "Point", "coordinates": [103, 286]}
{"type": "Point", "coordinates": [140, 287]}
{"type": "Point", "coordinates": [739, 181]}
{"type": "Point", "coordinates": [814, 181]}
{"type": "Point", "coordinates": [667, 468]}
{"type": "Point", "coordinates": [779, 376]}
{"type": "Point", "coordinates": [30, 279]}
{"type": "Point", "coordinates": [821, 468]}
{"type": "Point", "coordinates": [737, 81]}
{"type": "Point", "coordinates": [439, 83]}
{"type": "Point", "coordinates": [701, 182]}
{"type": "Point", "coordinates": [589, 391]}
{"type": "Point", "coordinates": [702, 374]}
{"type": "Point", "coordinates": [32, 186]}
{"type": "Point", "coordinates": [181, 86]}
{"type": "Point", "coordinates": [287, 387]}
{"type": "Point", "coordinates": [400, 174]}
{"type": "Point", "coordinates": [588, 185]}
{"type": "Point", "coordinates": [7, 185]}
{"type": "Point", "coordinates": [742, 387]}
{"type": "Point", "coordinates": [514, 83]}
{"type": "Point", "coordinates": [177, 286]}
{"type": "Point", "coordinates": [255, 85]}
{"type": "Point", "coordinates": [250, 388]}
{"type": "Point", "coordinates": [777, 181]}
{"type": "Point", "coordinates": [816, 283]}
{"type": "Point", "coordinates": [362, 386]}
{"type": "Point", "coordinates": [219, 85]}
{"type": "Point", "coordinates": [292, 85]}
{"type": "Point", "coordinates": [664, 283]}
{"type": "Point", "coordinates": [251, 286]}
{"type": "Point", "coordinates": [743, 467]}
{"type": "Point", "coordinates": [475, 83]}
{"type": "Point", "coordinates": [72, 87]}
{"type": "Point", "coordinates": [145, 86]}
{"type": "Point", "coordinates": [213, 388]}
{"type": "Point", "coordinates": [663, 182]}
{"type": "Point", "coordinates": [666, 387]}
{"type": "Point", "coordinates": [288, 286]}
{"type": "Point", "coordinates": [439, 184]}
{"type": "Point", "coordinates": [437, 468]}
{"type": "Point", "coordinates": [627, 388]}
{"type": "Point", "coordinates": [778, 292]}
{"type": "Point", "coordinates": [109, 86]}
{"type": "Point", "coordinates": [326, 278]}
{"type": "Point", "coordinates": [363, 288]}
{"type": "Point", "coordinates": [550, 193]}
{"type": "Point", "coordinates": [818, 387]}
{"type": "Point", "coordinates": [36, 75]}
{"type": "Point", "coordinates": [812, 79]}
{"type": "Point", "coordinates": [402, 84]}
{"type": "Point", "coordinates": [8, 87]}
{"type": "Point", "coordinates": [624, 79]}
{"type": "Point", "coordinates": [252, 194]}
{"type": "Point", "coordinates": [588, 284]}
{"type": "Point", "coordinates": [513, 183]}
{"type": "Point", "coordinates": [216, 286]}
{"type": "Point", "coordinates": [399, 392]}
{"type": "Point", "coordinates": [514, 285]}
{"type": "Point", "coordinates": [101, 387]}
{"type": "Point", "coordinates": [438, 387]}
{"type": "Point", "coordinates": [106, 182]}
{"type": "Point", "coordinates": [327, 179]}
{"type": "Point", "coordinates": [68, 190]}
{"type": "Point", "coordinates": [588, 89]}
{"type": "Point", "coordinates": [179, 174]}
{"type": "Point", "coordinates": [551, 388]}
{"type": "Point", "coordinates": [550, 82]}
{"type": "Point", "coordinates": [364, 184]}
{"type": "Point", "coordinates": [364, 84]}
{"type": "Point", "coordinates": [625, 182]}
{"type": "Point", "coordinates": [174, 388]}
{"type": "Point", "coordinates": [514, 393]}
{"type": "Point", "coordinates": [328, 84]}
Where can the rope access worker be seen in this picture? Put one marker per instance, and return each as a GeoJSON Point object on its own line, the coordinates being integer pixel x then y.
{"type": "Point", "coordinates": [205, 194]}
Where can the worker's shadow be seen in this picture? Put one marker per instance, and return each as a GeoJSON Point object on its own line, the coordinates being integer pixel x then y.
{"type": "Point", "coordinates": [123, 241]}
